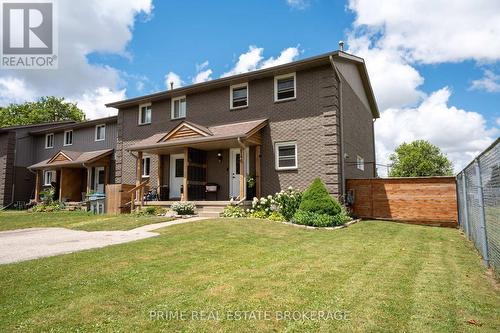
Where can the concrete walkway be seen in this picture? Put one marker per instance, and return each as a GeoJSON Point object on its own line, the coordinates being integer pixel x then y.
{"type": "Point", "coordinates": [25, 244]}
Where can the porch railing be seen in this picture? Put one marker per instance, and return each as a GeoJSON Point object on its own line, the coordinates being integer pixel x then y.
{"type": "Point", "coordinates": [137, 191]}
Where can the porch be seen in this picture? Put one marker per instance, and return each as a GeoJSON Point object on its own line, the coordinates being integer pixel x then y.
{"type": "Point", "coordinates": [73, 175]}
{"type": "Point", "coordinates": [196, 163]}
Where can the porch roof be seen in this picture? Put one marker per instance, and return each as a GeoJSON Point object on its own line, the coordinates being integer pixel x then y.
{"type": "Point", "coordinates": [188, 134]}
{"type": "Point", "coordinates": [71, 159]}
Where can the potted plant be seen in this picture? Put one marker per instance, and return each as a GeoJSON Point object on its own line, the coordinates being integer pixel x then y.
{"type": "Point", "coordinates": [250, 186]}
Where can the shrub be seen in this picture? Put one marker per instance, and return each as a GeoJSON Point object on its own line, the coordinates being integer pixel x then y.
{"type": "Point", "coordinates": [258, 214]}
{"type": "Point", "coordinates": [263, 204]}
{"type": "Point", "coordinates": [152, 210]}
{"type": "Point", "coordinates": [233, 211]}
{"type": "Point", "coordinates": [183, 207]}
{"type": "Point", "coordinates": [316, 199]}
{"type": "Point", "coordinates": [313, 219]}
{"type": "Point", "coordinates": [287, 202]}
{"type": "Point", "coordinates": [47, 196]}
{"type": "Point", "coordinates": [276, 216]}
{"type": "Point", "coordinates": [53, 206]}
{"type": "Point", "coordinates": [341, 218]}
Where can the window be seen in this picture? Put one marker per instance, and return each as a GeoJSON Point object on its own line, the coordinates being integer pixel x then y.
{"type": "Point", "coordinates": [284, 87]}
{"type": "Point", "coordinates": [49, 140]}
{"type": "Point", "coordinates": [68, 138]}
{"type": "Point", "coordinates": [239, 96]}
{"type": "Point", "coordinates": [100, 132]}
{"type": "Point", "coordinates": [47, 178]}
{"type": "Point", "coordinates": [286, 155]}
{"type": "Point", "coordinates": [146, 166]}
{"type": "Point", "coordinates": [179, 107]}
{"type": "Point", "coordinates": [360, 163]}
{"type": "Point", "coordinates": [145, 114]}
{"type": "Point", "coordinates": [179, 167]}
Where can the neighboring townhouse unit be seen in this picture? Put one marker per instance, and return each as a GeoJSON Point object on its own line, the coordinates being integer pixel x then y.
{"type": "Point", "coordinates": [75, 159]}
{"type": "Point", "coordinates": [17, 183]}
{"type": "Point", "coordinates": [280, 126]}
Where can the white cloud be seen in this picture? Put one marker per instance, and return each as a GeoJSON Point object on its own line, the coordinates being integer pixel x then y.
{"type": "Point", "coordinates": [459, 133]}
{"type": "Point", "coordinates": [489, 82]}
{"type": "Point", "coordinates": [203, 73]}
{"type": "Point", "coordinates": [139, 86]}
{"type": "Point", "coordinates": [298, 4]}
{"type": "Point", "coordinates": [287, 55]}
{"type": "Point", "coordinates": [174, 78]}
{"type": "Point", "coordinates": [93, 102]}
{"type": "Point", "coordinates": [498, 121]}
{"type": "Point", "coordinates": [253, 59]}
{"type": "Point", "coordinates": [102, 26]}
{"type": "Point", "coordinates": [14, 90]}
{"type": "Point", "coordinates": [433, 31]}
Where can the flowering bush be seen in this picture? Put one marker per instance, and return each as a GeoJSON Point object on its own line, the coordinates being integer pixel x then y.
{"type": "Point", "coordinates": [233, 211]}
{"type": "Point", "coordinates": [287, 202]}
{"type": "Point", "coordinates": [183, 207]}
{"type": "Point", "coordinates": [262, 207]}
{"type": "Point", "coordinates": [276, 216]}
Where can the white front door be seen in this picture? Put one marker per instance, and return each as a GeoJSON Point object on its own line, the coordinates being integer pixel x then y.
{"type": "Point", "coordinates": [234, 171]}
{"type": "Point", "coordinates": [99, 179]}
{"type": "Point", "coordinates": [176, 175]}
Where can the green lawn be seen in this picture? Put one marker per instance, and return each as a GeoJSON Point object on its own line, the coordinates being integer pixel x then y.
{"type": "Point", "coordinates": [388, 277]}
{"type": "Point", "coordinates": [10, 220]}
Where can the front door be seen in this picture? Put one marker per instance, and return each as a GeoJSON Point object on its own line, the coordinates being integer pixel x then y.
{"type": "Point", "coordinates": [234, 171]}
{"type": "Point", "coordinates": [176, 175]}
{"type": "Point", "coordinates": [99, 179]}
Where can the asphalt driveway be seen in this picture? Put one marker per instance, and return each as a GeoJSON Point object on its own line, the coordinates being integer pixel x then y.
{"type": "Point", "coordinates": [32, 243]}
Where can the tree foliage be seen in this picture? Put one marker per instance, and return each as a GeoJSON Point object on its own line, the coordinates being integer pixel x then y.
{"type": "Point", "coordinates": [419, 158]}
{"type": "Point", "coordinates": [45, 109]}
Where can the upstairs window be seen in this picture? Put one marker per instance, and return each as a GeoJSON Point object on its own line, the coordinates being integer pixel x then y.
{"type": "Point", "coordinates": [68, 138]}
{"type": "Point", "coordinates": [360, 163]}
{"type": "Point", "coordinates": [146, 166]}
{"type": "Point", "coordinates": [145, 114]}
{"type": "Point", "coordinates": [286, 155]}
{"type": "Point", "coordinates": [100, 132]}
{"type": "Point", "coordinates": [284, 87]}
{"type": "Point", "coordinates": [178, 107]}
{"type": "Point", "coordinates": [49, 140]}
{"type": "Point", "coordinates": [239, 96]}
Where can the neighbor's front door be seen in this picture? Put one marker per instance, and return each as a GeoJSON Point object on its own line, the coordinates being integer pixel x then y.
{"type": "Point", "coordinates": [176, 175]}
{"type": "Point", "coordinates": [99, 178]}
{"type": "Point", "coordinates": [234, 171]}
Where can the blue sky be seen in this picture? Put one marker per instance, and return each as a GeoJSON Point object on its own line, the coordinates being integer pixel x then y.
{"type": "Point", "coordinates": [435, 68]}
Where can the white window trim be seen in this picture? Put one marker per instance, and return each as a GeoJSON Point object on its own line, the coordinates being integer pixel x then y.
{"type": "Point", "coordinates": [144, 175]}
{"type": "Point", "coordinates": [140, 114]}
{"type": "Point", "coordinates": [277, 145]}
{"type": "Point", "coordinates": [45, 177]}
{"type": "Point", "coordinates": [358, 158]}
{"type": "Point", "coordinates": [64, 138]}
{"type": "Point", "coordinates": [236, 86]}
{"type": "Point", "coordinates": [172, 107]}
{"type": "Point", "coordinates": [104, 133]}
{"type": "Point", "coordinates": [53, 138]}
{"type": "Point", "coordinates": [284, 76]}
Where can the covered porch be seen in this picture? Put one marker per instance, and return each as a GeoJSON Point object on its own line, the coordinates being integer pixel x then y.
{"type": "Point", "coordinates": [202, 164]}
{"type": "Point", "coordinates": [73, 175]}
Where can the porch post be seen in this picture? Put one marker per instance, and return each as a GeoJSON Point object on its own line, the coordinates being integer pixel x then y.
{"type": "Point", "coordinates": [61, 185]}
{"type": "Point", "coordinates": [257, 172]}
{"type": "Point", "coordinates": [139, 176]}
{"type": "Point", "coordinates": [242, 173]}
{"type": "Point", "coordinates": [184, 195]}
{"type": "Point", "coordinates": [160, 174]}
{"type": "Point", "coordinates": [89, 179]}
{"type": "Point", "coordinates": [37, 186]}
{"type": "Point", "coordinates": [106, 180]}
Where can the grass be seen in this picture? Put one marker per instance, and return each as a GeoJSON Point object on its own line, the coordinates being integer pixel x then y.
{"type": "Point", "coordinates": [10, 220]}
{"type": "Point", "coordinates": [386, 276]}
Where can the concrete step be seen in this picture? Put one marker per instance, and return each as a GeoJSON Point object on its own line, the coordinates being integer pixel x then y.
{"type": "Point", "coordinates": [208, 214]}
{"type": "Point", "coordinates": [210, 209]}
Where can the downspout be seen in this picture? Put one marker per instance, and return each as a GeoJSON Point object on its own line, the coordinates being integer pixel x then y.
{"type": "Point", "coordinates": [242, 146]}
{"type": "Point", "coordinates": [341, 129]}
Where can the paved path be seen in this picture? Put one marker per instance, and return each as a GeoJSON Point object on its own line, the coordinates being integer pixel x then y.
{"type": "Point", "coordinates": [32, 243]}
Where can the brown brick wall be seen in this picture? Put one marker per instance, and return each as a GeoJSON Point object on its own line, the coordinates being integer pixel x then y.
{"type": "Point", "coordinates": [311, 120]}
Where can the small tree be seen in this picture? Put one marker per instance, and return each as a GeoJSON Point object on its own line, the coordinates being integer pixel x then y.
{"type": "Point", "coordinates": [419, 158]}
{"type": "Point", "coordinates": [45, 109]}
{"type": "Point", "coordinates": [316, 199]}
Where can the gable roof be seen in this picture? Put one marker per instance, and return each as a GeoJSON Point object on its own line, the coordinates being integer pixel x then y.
{"type": "Point", "coordinates": [242, 130]}
{"type": "Point", "coordinates": [75, 125]}
{"type": "Point", "coordinates": [324, 59]}
{"type": "Point", "coordinates": [66, 158]}
{"type": "Point", "coordinates": [50, 123]}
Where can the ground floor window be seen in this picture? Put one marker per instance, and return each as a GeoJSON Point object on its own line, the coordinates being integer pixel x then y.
{"type": "Point", "coordinates": [146, 166]}
{"type": "Point", "coordinates": [286, 155]}
{"type": "Point", "coordinates": [47, 178]}
{"type": "Point", "coordinates": [360, 163]}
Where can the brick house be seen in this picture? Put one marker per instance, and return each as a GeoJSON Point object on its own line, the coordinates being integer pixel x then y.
{"type": "Point", "coordinates": [280, 126]}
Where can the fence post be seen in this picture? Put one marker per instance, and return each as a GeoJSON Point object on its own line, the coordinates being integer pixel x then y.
{"type": "Point", "coordinates": [464, 197]}
{"type": "Point", "coordinates": [482, 219]}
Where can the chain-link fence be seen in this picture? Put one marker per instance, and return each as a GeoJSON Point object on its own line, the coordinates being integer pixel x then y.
{"type": "Point", "coordinates": [478, 187]}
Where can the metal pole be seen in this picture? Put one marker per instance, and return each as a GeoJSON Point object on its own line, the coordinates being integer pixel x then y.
{"type": "Point", "coordinates": [482, 219]}
{"type": "Point", "coordinates": [466, 213]}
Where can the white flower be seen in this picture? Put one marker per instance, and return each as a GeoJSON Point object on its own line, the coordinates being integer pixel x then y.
{"type": "Point", "coordinates": [269, 197]}
{"type": "Point", "coordinates": [262, 200]}
{"type": "Point", "coordinates": [290, 188]}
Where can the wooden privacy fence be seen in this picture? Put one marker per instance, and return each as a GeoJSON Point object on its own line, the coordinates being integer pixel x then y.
{"type": "Point", "coordinates": [421, 200]}
{"type": "Point", "coordinates": [118, 198]}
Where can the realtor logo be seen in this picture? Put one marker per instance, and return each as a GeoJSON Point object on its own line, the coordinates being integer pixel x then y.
{"type": "Point", "coordinates": [28, 35]}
